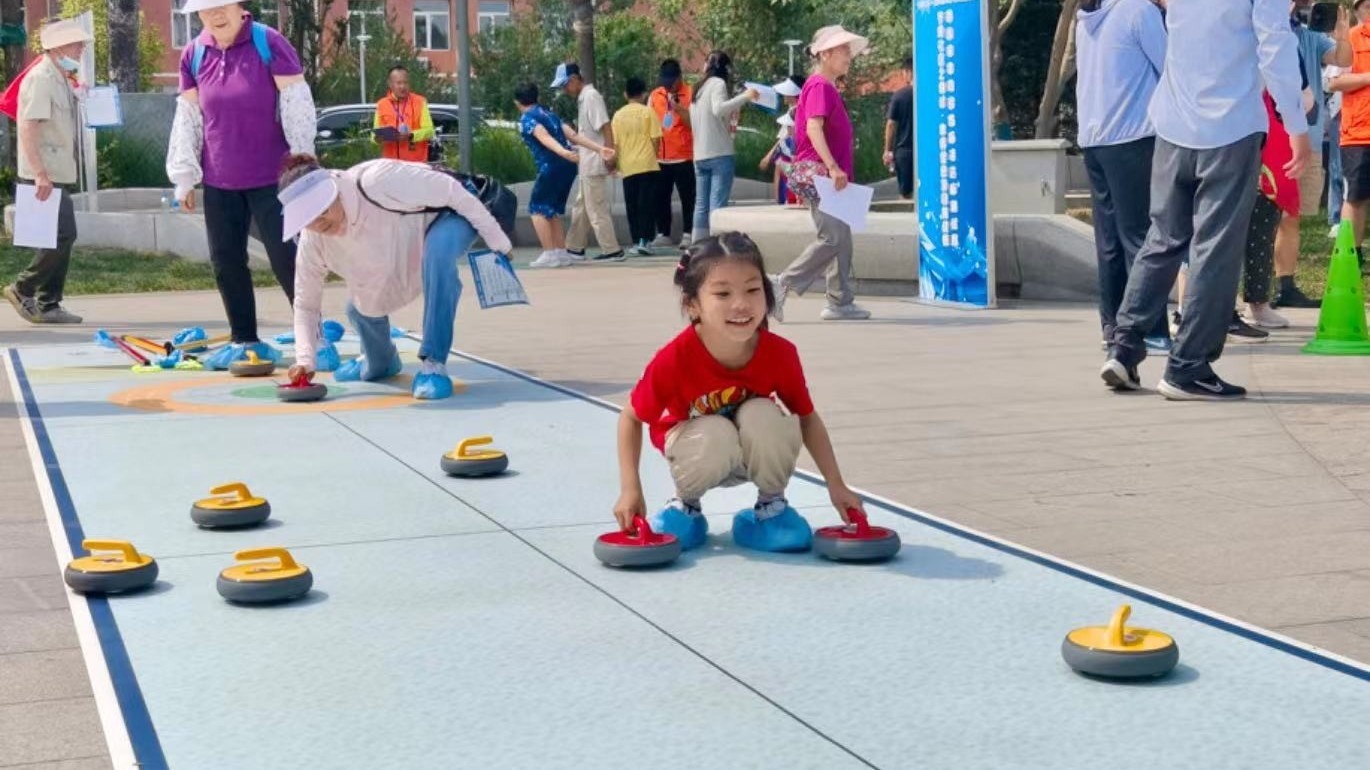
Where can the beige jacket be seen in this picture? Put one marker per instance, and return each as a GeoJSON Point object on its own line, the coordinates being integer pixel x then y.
{"type": "Point", "coordinates": [46, 96]}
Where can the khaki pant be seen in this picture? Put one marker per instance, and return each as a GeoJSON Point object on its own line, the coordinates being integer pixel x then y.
{"type": "Point", "coordinates": [591, 210]}
{"type": "Point", "coordinates": [759, 444]}
{"type": "Point", "coordinates": [830, 255]}
{"type": "Point", "coordinates": [1310, 186]}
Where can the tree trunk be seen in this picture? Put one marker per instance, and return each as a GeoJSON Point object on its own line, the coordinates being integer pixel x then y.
{"type": "Point", "coordinates": [998, 25]}
{"type": "Point", "coordinates": [12, 16]}
{"type": "Point", "coordinates": [583, 23]}
{"type": "Point", "coordinates": [123, 44]}
{"type": "Point", "coordinates": [1059, 71]}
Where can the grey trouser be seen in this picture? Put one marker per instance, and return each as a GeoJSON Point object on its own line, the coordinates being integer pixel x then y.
{"type": "Point", "coordinates": [46, 276]}
{"type": "Point", "coordinates": [759, 444]}
{"type": "Point", "coordinates": [1201, 204]}
{"type": "Point", "coordinates": [831, 254]}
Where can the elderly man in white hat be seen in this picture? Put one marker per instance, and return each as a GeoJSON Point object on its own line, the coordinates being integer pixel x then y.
{"type": "Point", "coordinates": [47, 159]}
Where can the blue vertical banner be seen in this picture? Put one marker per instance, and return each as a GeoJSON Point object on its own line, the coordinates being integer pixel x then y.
{"type": "Point", "coordinates": [951, 127]}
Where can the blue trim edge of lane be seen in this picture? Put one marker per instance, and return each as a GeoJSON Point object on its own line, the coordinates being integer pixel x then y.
{"type": "Point", "coordinates": [147, 748]}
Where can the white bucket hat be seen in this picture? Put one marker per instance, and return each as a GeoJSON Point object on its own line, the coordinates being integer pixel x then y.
{"type": "Point", "coordinates": [835, 36]}
{"type": "Point", "coordinates": [305, 199]}
{"type": "Point", "coordinates": [60, 33]}
{"type": "Point", "coordinates": [204, 5]}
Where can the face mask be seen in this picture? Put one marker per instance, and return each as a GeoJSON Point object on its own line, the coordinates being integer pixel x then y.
{"type": "Point", "coordinates": [69, 64]}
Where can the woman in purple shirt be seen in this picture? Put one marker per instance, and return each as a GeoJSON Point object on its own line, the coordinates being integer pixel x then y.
{"type": "Point", "coordinates": [824, 146]}
{"type": "Point", "coordinates": [244, 108]}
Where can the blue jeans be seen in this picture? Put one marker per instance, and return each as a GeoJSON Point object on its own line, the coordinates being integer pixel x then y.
{"type": "Point", "coordinates": [447, 241]}
{"type": "Point", "coordinates": [713, 183]}
{"type": "Point", "coordinates": [1336, 183]}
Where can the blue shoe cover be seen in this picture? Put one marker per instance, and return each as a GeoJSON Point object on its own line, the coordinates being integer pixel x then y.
{"type": "Point", "coordinates": [396, 332]}
{"type": "Point", "coordinates": [190, 335]}
{"type": "Point", "coordinates": [333, 331]}
{"type": "Point", "coordinates": [689, 526]}
{"type": "Point", "coordinates": [357, 369]}
{"type": "Point", "coordinates": [287, 338]}
{"type": "Point", "coordinates": [786, 531]}
{"type": "Point", "coordinates": [264, 352]}
{"type": "Point", "coordinates": [103, 339]}
{"type": "Point", "coordinates": [326, 359]}
{"type": "Point", "coordinates": [432, 387]}
{"type": "Point", "coordinates": [221, 358]}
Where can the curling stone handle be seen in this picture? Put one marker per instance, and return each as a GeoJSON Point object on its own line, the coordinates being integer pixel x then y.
{"type": "Point", "coordinates": [130, 554]}
{"type": "Point", "coordinates": [858, 517]}
{"type": "Point", "coordinates": [283, 556]}
{"type": "Point", "coordinates": [644, 530]}
{"type": "Point", "coordinates": [237, 488]}
{"type": "Point", "coordinates": [1117, 628]}
{"type": "Point", "coordinates": [471, 442]}
{"type": "Point", "coordinates": [304, 380]}
{"type": "Point", "coordinates": [252, 357]}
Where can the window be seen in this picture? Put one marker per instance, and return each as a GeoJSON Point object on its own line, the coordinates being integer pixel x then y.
{"type": "Point", "coordinates": [432, 22]}
{"type": "Point", "coordinates": [493, 13]}
{"type": "Point", "coordinates": [364, 17]}
{"type": "Point", "coordinates": [184, 26]}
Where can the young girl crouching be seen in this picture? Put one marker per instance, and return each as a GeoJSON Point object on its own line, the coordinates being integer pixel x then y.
{"type": "Point", "coordinates": [726, 403]}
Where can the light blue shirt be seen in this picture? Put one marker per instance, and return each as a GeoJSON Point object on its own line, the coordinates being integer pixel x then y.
{"type": "Point", "coordinates": [1221, 54]}
{"type": "Point", "coordinates": [1119, 53]}
{"type": "Point", "coordinates": [1314, 47]}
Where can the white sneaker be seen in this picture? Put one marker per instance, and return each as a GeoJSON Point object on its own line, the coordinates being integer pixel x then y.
{"type": "Point", "coordinates": [849, 312]}
{"type": "Point", "coordinates": [781, 293]}
{"type": "Point", "coordinates": [570, 257]}
{"type": "Point", "coordinates": [1264, 317]}
{"type": "Point", "coordinates": [551, 259]}
{"type": "Point", "coordinates": [685, 240]}
{"type": "Point", "coordinates": [662, 242]}
{"type": "Point", "coordinates": [1334, 231]}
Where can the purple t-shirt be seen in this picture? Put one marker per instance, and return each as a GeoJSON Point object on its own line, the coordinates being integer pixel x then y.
{"type": "Point", "coordinates": [244, 143]}
{"type": "Point", "coordinates": [820, 99]}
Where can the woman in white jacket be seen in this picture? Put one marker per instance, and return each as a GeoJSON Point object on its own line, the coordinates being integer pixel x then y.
{"type": "Point", "coordinates": [713, 118]}
{"type": "Point", "coordinates": [391, 230]}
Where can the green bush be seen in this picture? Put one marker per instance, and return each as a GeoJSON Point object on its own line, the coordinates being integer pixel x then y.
{"type": "Point", "coordinates": [355, 148]}
{"type": "Point", "coordinates": [500, 153]}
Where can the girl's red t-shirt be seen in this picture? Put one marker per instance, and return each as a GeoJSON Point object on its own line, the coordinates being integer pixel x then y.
{"type": "Point", "coordinates": [684, 381]}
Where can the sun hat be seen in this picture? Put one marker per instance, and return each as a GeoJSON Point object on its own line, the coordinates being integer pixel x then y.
{"type": "Point", "coordinates": [835, 36]}
{"type": "Point", "coordinates": [786, 87]}
{"type": "Point", "coordinates": [203, 5]}
{"type": "Point", "coordinates": [60, 33]}
{"type": "Point", "coordinates": [305, 199]}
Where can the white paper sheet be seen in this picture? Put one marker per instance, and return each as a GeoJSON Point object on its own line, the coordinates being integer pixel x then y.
{"type": "Point", "coordinates": [103, 108]}
{"type": "Point", "coordinates": [851, 205]}
{"type": "Point", "coordinates": [496, 282]}
{"type": "Point", "coordinates": [767, 98]}
{"type": "Point", "coordinates": [35, 221]}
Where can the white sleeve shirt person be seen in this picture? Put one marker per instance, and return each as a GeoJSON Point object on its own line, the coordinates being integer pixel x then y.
{"type": "Point", "coordinates": [392, 231]}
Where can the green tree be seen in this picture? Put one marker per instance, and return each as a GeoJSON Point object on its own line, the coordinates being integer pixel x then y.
{"type": "Point", "coordinates": [123, 43]}
{"type": "Point", "coordinates": [150, 45]}
{"type": "Point", "coordinates": [525, 51]}
{"type": "Point", "coordinates": [339, 81]}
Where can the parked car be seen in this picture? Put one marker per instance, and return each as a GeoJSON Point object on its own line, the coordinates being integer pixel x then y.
{"type": "Point", "coordinates": [345, 122]}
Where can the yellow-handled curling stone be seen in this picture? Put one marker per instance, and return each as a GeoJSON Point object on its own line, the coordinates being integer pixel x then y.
{"type": "Point", "coordinates": [264, 575]}
{"type": "Point", "coordinates": [462, 461]}
{"type": "Point", "coordinates": [113, 566]}
{"type": "Point", "coordinates": [252, 366]}
{"type": "Point", "coordinates": [233, 505]}
{"type": "Point", "coordinates": [1118, 651]}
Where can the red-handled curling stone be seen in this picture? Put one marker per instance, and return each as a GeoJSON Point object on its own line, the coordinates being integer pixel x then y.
{"type": "Point", "coordinates": [639, 547]}
{"type": "Point", "coordinates": [302, 388]}
{"type": "Point", "coordinates": [858, 541]}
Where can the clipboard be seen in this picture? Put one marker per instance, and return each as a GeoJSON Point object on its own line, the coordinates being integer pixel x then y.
{"type": "Point", "coordinates": [496, 282]}
{"type": "Point", "coordinates": [767, 99]}
{"type": "Point", "coordinates": [387, 134]}
{"type": "Point", "coordinates": [103, 108]}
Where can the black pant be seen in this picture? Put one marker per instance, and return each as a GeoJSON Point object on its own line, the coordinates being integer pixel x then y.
{"type": "Point", "coordinates": [229, 216]}
{"type": "Point", "coordinates": [681, 178]}
{"type": "Point", "coordinates": [903, 170]}
{"type": "Point", "coordinates": [640, 194]}
{"type": "Point", "coordinates": [1120, 184]}
{"type": "Point", "coordinates": [1260, 250]}
{"type": "Point", "coordinates": [46, 276]}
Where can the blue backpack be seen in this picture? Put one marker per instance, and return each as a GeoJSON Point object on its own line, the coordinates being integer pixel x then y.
{"type": "Point", "coordinates": [258, 41]}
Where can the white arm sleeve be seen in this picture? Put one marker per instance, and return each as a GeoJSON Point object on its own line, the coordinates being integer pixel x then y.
{"type": "Point", "coordinates": [183, 151]}
{"type": "Point", "coordinates": [310, 273]}
{"type": "Point", "coordinates": [298, 117]}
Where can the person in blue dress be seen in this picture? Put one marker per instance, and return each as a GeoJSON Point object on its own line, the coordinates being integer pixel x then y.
{"type": "Point", "coordinates": [550, 142]}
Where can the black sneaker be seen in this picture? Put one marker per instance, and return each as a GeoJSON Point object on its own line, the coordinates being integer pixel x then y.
{"type": "Point", "coordinates": [1241, 331]}
{"type": "Point", "coordinates": [1211, 388]}
{"type": "Point", "coordinates": [1293, 297]}
{"type": "Point", "coordinates": [614, 256]}
{"type": "Point", "coordinates": [1120, 377]}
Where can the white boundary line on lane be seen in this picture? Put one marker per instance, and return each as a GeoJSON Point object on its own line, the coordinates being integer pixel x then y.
{"type": "Point", "coordinates": [102, 686]}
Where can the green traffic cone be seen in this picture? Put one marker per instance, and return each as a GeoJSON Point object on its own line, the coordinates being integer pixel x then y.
{"type": "Point", "coordinates": [1341, 321]}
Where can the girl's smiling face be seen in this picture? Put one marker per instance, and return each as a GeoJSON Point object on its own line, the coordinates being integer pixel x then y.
{"type": "Point", "coordinates": [731, 303]}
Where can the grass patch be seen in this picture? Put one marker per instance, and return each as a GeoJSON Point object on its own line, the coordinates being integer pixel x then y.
{"type": "Point", "coordinates": [1315, 251]}
{"type": "Point", "coordinates": [114, 271]}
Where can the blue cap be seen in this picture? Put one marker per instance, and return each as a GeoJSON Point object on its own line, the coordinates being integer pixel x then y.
{"type": "Point", "coordinates": [564, 73]}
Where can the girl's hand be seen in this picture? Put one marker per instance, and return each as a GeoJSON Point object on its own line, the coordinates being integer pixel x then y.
{"type": "Point", "coordinates": [839, 177]}
{"type": "Point", "coordinates": [842, 499]}
{"type": "Point", "coordinates": [629, 504]}
{"type": "Point", "coordinates": [297, 371]}
{"type": "Point", "coordinates": [571, 155]}
{"type": "Point", "coordinates": [608, 154]}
